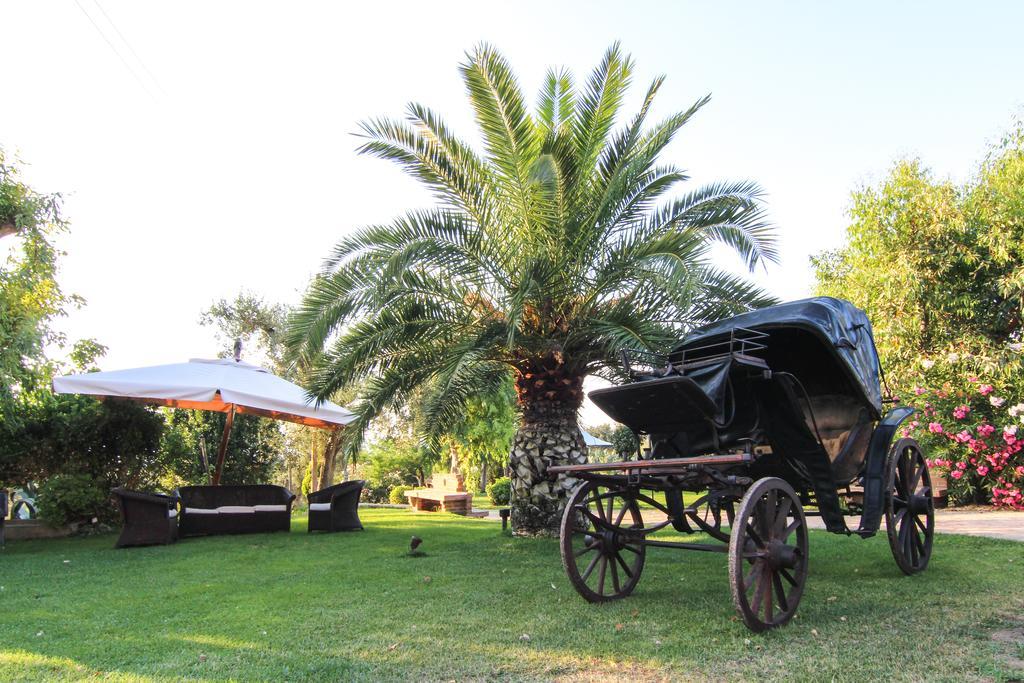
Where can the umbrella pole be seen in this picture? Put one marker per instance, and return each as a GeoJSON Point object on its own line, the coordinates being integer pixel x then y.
{"type": "Point", "coordinates": [222, 451]}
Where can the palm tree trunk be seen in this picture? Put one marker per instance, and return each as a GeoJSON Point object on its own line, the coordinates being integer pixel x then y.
{"type": "Point", "coordinates": [549, 434]}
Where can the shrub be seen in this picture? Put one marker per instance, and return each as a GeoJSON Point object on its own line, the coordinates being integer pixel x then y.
{"type": "Point", "coordinates": [397, 495]}
{"type": "Point", "coordinates": [500, 491]}
{"type": "Point", "coordinates": [67, 498]}
{"type": "Point", "coordinates": [970, 411]}
{"type": "Point", "coordinates": [307, 484]}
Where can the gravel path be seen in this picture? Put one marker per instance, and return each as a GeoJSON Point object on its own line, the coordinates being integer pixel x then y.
{"type": "Point", "coordinates": [1006, 525]}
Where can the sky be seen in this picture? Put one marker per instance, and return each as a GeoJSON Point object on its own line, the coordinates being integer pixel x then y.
{"type": "Point", "coordinates": [204, 148]}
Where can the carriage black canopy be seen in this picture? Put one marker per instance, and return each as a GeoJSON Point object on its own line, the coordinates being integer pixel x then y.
{"type": "Point", "coordinates": [843, 328]}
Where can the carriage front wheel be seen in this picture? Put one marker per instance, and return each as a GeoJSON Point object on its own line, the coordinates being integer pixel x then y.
{"type": "Point", "coordinates": [601, 556]}
{"type": "Point", "coordinates": [768, 554]}
{"type": "Point", "coordinates": [909, 507]}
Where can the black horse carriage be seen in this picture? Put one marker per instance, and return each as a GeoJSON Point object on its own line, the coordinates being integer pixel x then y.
{"type": "Point", "coordinates": [758, 418]}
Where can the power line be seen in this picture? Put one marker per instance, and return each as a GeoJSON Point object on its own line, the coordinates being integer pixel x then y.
{"type": "Point", "coordinates": [129, 46]}
{"type": "Point", "coordinates": [116, 51]}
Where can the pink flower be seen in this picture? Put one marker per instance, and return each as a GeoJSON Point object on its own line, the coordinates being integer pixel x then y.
{"type": "Point", "coordinates": [964, 436]}
{"type": "Point", "coordinates": [986, 389]}
{"type": "Point", "coordinates": [982, 470]}
{"type": "Point", "coordinates": [986, 430]}
{"type": "Point", "coordinates": [961, 466]}
{"type": "Point", "coordinates": [960, 412]}
{"type": "Point", "coordinates": [956, 474]}
{"type": "Point", "coordinates": [972, 378]}
{"type": "Point", "coordinates": [918, 391]}
{"type": "Point", "coordinates": [996, 401]}
{"type": "Point", "coordinates": [1019, 470]}
{"type": "Point", "coordinates": [934, 427]}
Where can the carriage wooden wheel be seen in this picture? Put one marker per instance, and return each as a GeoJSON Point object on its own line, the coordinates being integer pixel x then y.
{"type": "Point", "coordinates": [708, 514]}
{"type": "Point", "coordinates": [602, 552]}
{"type": "Point", "coordinates": [768, 555]}
{"type": "Point", "coordinates": [909, 507]}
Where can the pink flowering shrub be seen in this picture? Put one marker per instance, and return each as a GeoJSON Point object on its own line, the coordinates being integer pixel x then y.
{"type": "Point", "coordinates": [970, 408]}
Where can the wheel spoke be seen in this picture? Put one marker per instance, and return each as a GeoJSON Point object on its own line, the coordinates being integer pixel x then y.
{"type": "Point", "coordinates": [622, 513]}
{"type": "Point", "coordinates": [755, 604]}
{"type": "Point", "coordinates": [587, 549]}
{"type": "Point", "coordinates": [623, 564]}
{"type": "Point", "coordinates": [918, 545]}
{"type": "Point", "coordinates": [590, 568]}
{"type": "Point", "coordinates": [921, 525]}
{"type": "Point", "coordinates": [793, 526]}
{"type": "Point", "coordinates": [754, 536]}
{"type": "Point", "coordinates": [787, 576]}
{"type": "Point", "coordinates": [626, 546]}
{"type": "Point", "coordinates": [916, 478]}
{"type": "Point", "coordinates": [781, 516]}
{"type": "Point", "coordinates": [598, 522]}
{"type": "Point", "coordinates": [756, 568]}
{"type": "Point", "coordinates": [611, 505]}
{"type": "Point", "coordinates": [767, 588]}
{"type": "Point", "coordinates": [780, 592]}
{"type": "Point", "coordinates": [615, 575]}
{"type": "Point", "coordinates": [600, 575]}
{"type": "Point", "coordinates": [596, 500]}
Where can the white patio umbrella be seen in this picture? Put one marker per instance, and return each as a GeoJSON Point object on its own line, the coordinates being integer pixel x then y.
{"type": "Point", "coordinates": [221, 385]}
{"type": "Point", "coordinates": [594, 442]}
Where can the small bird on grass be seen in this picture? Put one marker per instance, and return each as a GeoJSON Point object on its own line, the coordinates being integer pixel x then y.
{"type": "Point", "coordinates": [413, 545]}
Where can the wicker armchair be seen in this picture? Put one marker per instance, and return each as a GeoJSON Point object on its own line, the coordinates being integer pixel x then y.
{"type": "Point", "coordinates": [149, 518]}
{"type": "Point", "coordinates": [336, 508]}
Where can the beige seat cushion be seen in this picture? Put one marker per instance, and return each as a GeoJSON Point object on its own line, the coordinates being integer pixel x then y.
{"type": "Point", "coordinates": [235, 510]}
{"type": "Point", "coordinates": [319, 507]}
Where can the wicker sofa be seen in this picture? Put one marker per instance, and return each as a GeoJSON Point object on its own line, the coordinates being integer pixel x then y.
{"type": "Point", "coordinates": [211, 510]}
{"type": "Point", "coordinates": [336, 508]}
{"type": "Point", "coordinates": [149, 518]}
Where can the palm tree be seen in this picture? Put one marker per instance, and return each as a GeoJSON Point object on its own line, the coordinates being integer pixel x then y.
{"type": "Point", "coordinates": [547, 254]}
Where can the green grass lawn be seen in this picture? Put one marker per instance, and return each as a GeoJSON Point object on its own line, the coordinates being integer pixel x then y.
{"type": "Point", "coordinates": [484, 606]}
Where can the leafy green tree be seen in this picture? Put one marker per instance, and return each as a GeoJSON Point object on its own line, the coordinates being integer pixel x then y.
{"type": "Point", "coordinates": [995, 206]}
{"type": "Point", "coordinates": [258, 324]}
{"type": "Point", "coordinates": [935, 265]}
{"type": "Point", "coordinates": [548, 253]}
{"type": "Point", "coordinates": [483, 437]}
{"type": "Point", "coordinates": [116, 443]}
{"type": "Point", "coordinates": [254, 451]}
{"type": "Point", "coordinates": [388, 463]}
{"type": "Point", "coordinates": [30, 297]}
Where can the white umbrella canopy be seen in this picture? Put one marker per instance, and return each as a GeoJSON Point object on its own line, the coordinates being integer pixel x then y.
{"type": "Point", "coordinates": [221, 385]}
{"type": "Point", "coordinates": [594, 442]}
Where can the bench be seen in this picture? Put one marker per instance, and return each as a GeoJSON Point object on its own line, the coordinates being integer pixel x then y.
{"type": "Point", "coordinates": [446, 493]}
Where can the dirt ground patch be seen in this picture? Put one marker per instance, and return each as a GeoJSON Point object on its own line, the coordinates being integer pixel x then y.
{"type": "Point", "coordinates": [1013, 641]}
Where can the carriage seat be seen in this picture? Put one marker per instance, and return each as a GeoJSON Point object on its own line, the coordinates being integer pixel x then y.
{"type": "Point", "coordinates": [845, 428]}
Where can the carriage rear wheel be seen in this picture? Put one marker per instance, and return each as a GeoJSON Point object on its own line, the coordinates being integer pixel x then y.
{"type": "Point", "coordinates": [909, 508]}
{"type": "Point", "coordinates": [601, 557]}
{"type": "Point", "coordinates": [710, 520]}
{"type": "Point", "coordinates": [768, 555]}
